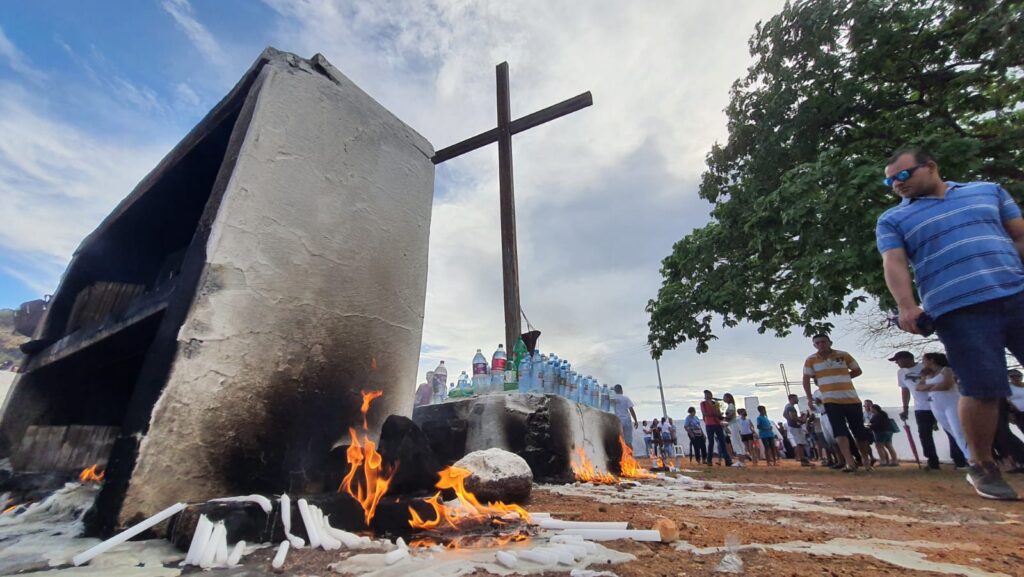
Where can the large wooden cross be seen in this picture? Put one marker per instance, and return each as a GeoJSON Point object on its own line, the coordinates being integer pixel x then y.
{"type": "Point", "coordinates": [503, 136]}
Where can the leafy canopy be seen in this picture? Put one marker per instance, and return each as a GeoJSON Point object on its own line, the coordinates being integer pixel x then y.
{"type": "Point", "coordinates": [835, 87]}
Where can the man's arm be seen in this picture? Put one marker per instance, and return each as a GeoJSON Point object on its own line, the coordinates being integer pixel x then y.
{"type": "Point", "coordinates": [633, 414]}
{"type": "Point", "coordinates": [856, 372]}
{"type": "Point", "coordinates": [1015, 228]}
{"type": "Point", "coordinates": [807, 391]}
{"type": "Point", "coordinates": [906, 403]}
{"type": "Point", "coordinates": [897, 277]}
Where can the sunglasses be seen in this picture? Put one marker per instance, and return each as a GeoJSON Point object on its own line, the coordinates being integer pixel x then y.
{"type": "Point", "coordinates": [902, 176]}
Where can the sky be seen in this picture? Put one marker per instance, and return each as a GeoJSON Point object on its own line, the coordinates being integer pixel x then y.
{"type": "Point", "coordinates": [94, 93]}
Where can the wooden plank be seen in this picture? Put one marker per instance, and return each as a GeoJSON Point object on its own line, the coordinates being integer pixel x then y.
{"type": "Point", "coordinates": [509, 252]}
{"type": "Point", "coordinates": [578, 102]}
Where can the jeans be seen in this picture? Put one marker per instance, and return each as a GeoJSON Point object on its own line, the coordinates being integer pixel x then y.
{"type": "Point", "coordinates": [717, 432]}
{"type": "Point", "coordinates": [627, 431]}
{"type": "Point", "coordinates": [976, 338]}
{"type": "Point", "coordinates": [925, 428]}
{"type": "Point", "coordinates": [700, 448]}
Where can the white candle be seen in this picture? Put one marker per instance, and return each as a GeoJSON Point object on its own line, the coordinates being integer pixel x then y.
{"type": "Point", "coordinates": [282, 552]}
{"type": "Point", "coordinates": [87, 555]}
{"type": "Point", "coordinates": [537, 556]}
{"type": "Point", "coordinates": [307, 520]}
{"type": "Point", "coordinates": [396, 556]}
{"type": "Point", "coordinates": [286, 522]}
{"type": "Point", "coordinates": [199, 539]}
{"type": "Point", "coordinates": [506, 559]}
{"type": "Point", "coordinates": [209, 557]}
{"type": "Point", "coordinates": [236, 554]}
{"type": "Point", "coordinates": [559, 524]}
{"type": "Point", "coordinates": [260, 500]}
{"type": "Point", "coordinates": [612, 534]}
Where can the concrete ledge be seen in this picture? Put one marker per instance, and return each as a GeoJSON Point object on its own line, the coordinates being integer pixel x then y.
{"type": "Point", "coordinates": [543, 429]}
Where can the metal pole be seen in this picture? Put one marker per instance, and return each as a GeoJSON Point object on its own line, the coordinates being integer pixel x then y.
{"type": "Point", "coordinates": [785, 380]}
{"type": "Point", "coordinates": [661, 389]}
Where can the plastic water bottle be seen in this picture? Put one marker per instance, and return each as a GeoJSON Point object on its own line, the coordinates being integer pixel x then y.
{"type": "Point", "coordinates": [440, 383]}
{"type": "Point", "coordinates": [497, 382]}
{"type": "Point", "coordinates": [524, 376]}
{"type": "Point", "coordinates": [550, 376]}
{"type": "Point", "coordinates": [584, 390]}
{"type": "Point", "coordinates": [563, 378]}
{"type": "Point", "coordinates": [462, 386]}
{"type": "Point", "coordinates": [481, 379]}
{"type": "Point", "coordinates": [498, 360]}
{"type": "Point", "coordinates": [595, 394]}
{"type": "Point", "coordinates": [513, 371]}
{"type": "Point", "coordinates": [572, 386]}
{"type": "Point", "coordinates": [605, 399]}
{"type": "Point", "coordinates": [537, 372]}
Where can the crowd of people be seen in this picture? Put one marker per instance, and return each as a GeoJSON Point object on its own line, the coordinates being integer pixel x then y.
{"type": "Point", "coordinates": [835, 428]}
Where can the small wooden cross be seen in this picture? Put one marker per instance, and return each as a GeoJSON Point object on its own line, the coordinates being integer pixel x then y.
{"type": "Point", "coordinates": [502, 134]}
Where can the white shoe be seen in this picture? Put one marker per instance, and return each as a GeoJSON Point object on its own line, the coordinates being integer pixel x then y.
{"type": "Point", "coordinates": [738, 465]}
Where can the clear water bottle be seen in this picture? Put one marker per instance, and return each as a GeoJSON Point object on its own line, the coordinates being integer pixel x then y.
{"type": "Point", "coordinates": [550, 376]}
{"type": "Point", "coordinates": [538, 363]}
{"type": "Point", "coordinates": [563, 378]}
{"type": "Point", "coordinates": [524, 376]}
{"type": "Point", "coordinates": [440, 383]}
{"type": "Point", "coordinates": [605, 399]}
{"type": "Point", "coordinates": [572, 386]}
{"type": "Point", "coordinates": [462, 386]}
{"type": "Point", "coordinates": [584, 390]}
{"type": "Point", "coordinates": [497, 382]}
{"type": "Point", "coordinates": [595, 393]}
{"type": "Point", "coordinates": [481, 378]}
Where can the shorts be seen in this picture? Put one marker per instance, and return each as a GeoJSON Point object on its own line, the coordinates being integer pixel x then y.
{"type": "Point", "coordinates": [797, 436]}
{"type": "Point", "coordinates": [769, 438]}
{"type": "Point", "coordinates": [883, 437]}
{"type": "Point", "coordinates": [976, 337]}
{"type": "Point", "coordinates": [746, 438]}
{"type": "Point", "coordinates": [847, 420]}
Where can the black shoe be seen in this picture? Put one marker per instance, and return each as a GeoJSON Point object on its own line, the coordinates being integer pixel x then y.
{"type": "Point", "coordinates": [934, 467]}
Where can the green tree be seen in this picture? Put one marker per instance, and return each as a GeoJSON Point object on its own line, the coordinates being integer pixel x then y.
{"type": "Point", "coordinates": [836, 86]}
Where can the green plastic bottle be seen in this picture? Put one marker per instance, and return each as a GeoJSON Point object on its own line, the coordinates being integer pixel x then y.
{"type": "Point", "coordinates": [512, 369]}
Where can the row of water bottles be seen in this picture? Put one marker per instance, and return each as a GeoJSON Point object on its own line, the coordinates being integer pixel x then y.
{"type": "Point", "coordinates": [531, 373]}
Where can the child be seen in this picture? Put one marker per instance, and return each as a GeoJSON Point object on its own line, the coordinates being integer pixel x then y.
{"type": "Point", "coordinates": [767, 436]}
{"type": "Point", "coordinates": [746, 428]}
{"type": "Point", "coordinates": [882, 430]}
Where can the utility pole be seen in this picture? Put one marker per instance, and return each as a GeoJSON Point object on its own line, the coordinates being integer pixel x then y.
{"type": "Point", "coordinates": [785, 380]}
{"type": "Point", "coordinates": [661, 389]}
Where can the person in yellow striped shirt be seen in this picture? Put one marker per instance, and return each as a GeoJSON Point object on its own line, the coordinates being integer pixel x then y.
{"type": "Point", "coordinates": [834, 372]}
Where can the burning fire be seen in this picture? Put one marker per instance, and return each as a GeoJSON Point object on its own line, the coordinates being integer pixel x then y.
{"type": "Point", "coordinates": [368, 397]}
{"type": "Point", "coordinates": [660, 463]}
{"type": "Point", "coordinates": [91, 476]}
{"type": "Point", "coordinates": [9, 509]}
{"type": "Point", "coordinates": [362, 455]}
{"type": "Point", "coordinates": [469, 508]}
{"type": "Point", "coordinates": [586, 472]}
{"type": "Point", "coordinates": [629, 467]}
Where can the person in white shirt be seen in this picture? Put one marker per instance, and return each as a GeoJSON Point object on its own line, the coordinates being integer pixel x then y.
{"type": "Point", "coordinates": [908, 377]}
{"type": "Point", "coordinates": [627, 416]}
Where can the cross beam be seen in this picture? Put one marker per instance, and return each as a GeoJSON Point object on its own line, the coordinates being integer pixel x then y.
{"type": "Point", "coordinates": [502, 134]}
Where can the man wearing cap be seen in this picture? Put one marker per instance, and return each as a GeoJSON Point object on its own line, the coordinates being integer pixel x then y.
{"type": "Point", "coordinates": [907, 377]}
{"type": "Point", "coordinates": [965, 243]}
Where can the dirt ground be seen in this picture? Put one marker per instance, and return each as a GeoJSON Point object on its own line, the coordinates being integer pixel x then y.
{"type": "Point", "coordinates": [926, 518]}
{"type": "Point", "coordinates": [788, 521]}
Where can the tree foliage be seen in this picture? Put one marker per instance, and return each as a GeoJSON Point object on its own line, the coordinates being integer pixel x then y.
{"type": "Point", "coordinates": [835, 86]}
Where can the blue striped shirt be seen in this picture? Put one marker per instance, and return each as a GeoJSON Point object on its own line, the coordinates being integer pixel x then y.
{"type": "Point", "coordinates": [957, 245]}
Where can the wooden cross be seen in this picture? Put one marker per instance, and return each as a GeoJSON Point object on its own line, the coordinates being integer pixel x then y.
{"type": "Point", "coordinates": [502, 134]}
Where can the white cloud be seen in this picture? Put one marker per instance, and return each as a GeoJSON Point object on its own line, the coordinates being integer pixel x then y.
{"type": "Point", "coordinates": [17, 60]}
{"type": "Point", "coordinates": [201, 38]}
{"type": "Point", "coordinates": [185, 96]}
{"type": "Point", "coordinates": [57, 182]}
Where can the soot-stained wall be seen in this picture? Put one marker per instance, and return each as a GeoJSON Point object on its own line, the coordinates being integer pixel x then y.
{"type": "Point", "coordinates": [312, 291]}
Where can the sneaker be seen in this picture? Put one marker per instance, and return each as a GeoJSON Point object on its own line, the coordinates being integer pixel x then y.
{"type": "Point", "coordinates": [988, 482]}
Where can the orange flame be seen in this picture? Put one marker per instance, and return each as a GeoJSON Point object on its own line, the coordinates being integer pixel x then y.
{"type": "Point", "coordinates": [91, 476]}
{"type": "Point", "coordinates": [660, 463]}
{"type": "Point", "coordinates": [368, 397]}
{"type": "Point", "coordinates": [9, 509]}
{"type": "Point", "coordinates": [630, 468]}
{"type": "Point", "coordinates": [586, 472]}
{"type": "Point", "coordinates": [469, 508]}
{"type": "Point", "coordinates": [362, 455]}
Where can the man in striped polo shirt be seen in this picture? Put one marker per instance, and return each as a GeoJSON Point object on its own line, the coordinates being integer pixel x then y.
{"type": "Point", "coordinates": [965, 243]}
{"type": "Point", "coordinates": [834, 372]}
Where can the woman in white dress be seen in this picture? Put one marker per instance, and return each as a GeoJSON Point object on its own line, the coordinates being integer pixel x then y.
{"type": "Point", "coordinates": [735, 437]}
{"type": "Point", "coordinates": [940, 383]}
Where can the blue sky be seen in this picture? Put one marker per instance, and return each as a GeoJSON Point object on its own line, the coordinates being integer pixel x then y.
{"type": "Point", "coordinates": [93, 94]}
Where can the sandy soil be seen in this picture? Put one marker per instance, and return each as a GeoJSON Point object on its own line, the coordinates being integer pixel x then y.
{"type": "Point", "coordinates": [790, 521]}
{"type": "Point", "coordinates": [907, 517]}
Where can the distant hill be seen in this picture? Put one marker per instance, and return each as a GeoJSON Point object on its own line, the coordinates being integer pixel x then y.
{"type": "Point", "coordinates": [9, 340]}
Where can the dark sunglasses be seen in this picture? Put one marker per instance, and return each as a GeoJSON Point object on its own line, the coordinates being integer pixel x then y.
{"type": "Point", "coordinates": [902, 176]}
